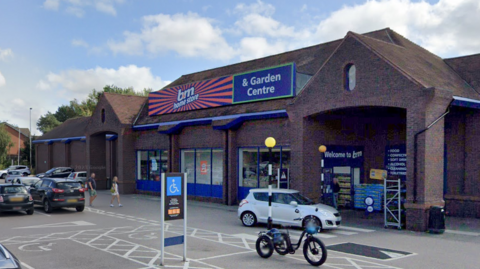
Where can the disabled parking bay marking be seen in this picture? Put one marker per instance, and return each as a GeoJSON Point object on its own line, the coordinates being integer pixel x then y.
{"type": "Point", "coordinates": [369, 251]}
{"type": "Point", "coordinates": [59, 225]}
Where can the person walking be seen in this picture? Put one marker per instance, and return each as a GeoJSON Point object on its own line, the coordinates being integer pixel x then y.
{"type": "Point", "coordinates": [114, 192]}
{"type": "Point", "coordinates": [336, 190]}
{"type": "Point", "coordinates": [92, 188]}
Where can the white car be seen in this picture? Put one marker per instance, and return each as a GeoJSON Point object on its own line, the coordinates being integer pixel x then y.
{"type": "Point", "coordinates": [26, 181]}
{"type": "Point", "coordinates": [13, 175]}
{"type": "Point", "coordinates": [3, 173]}
{"type": "Point", "coordinates": [79, 176]}
{"type": "Point", "coordinates": [289, 207]}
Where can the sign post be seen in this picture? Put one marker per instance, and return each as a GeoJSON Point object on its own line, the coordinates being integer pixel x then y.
{"type": "Point", "coordinates": [174, 207]}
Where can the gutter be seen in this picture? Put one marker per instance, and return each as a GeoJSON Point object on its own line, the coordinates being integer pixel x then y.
{"type": "Point", "coordinates": [415, 150]}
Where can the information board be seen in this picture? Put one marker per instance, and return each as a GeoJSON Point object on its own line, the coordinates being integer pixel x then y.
{"type": "Point", "coordinates": [396, 161]}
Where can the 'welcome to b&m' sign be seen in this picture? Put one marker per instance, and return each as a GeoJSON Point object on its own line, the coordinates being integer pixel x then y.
{"type": "Point", "coordinates": [266, 84]}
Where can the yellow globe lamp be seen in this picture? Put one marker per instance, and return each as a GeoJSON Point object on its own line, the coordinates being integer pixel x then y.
{"type": "Point", "coordinates": [322, 148]}
{"type": "Point", "coordinates": [270, 142]}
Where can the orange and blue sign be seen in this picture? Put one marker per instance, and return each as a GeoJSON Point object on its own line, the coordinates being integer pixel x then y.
{"type": "Point", "coordinates": [266, 84]}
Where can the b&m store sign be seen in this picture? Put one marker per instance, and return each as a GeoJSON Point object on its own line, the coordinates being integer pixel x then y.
{"type": "Point", "coordinates": [266, 84]}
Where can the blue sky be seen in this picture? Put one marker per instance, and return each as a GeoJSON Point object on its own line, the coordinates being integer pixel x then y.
{"type": "Point", "coordinates": [55, 50]}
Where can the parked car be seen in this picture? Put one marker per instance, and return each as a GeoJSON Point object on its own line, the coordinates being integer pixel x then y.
{"type": "Point", "coordinates": [57, 172]}
{"type": "Point", "coordinates": [3, 173]}
{"type": "Point", "coordinates": [79, 176]}
{"type": "Point", "coordinates": [15, 197]}
{"type": "Point", "coordinates": [26, 181]}
{"type": "Point", "coordinates": [22, 168]}
{"type": "Point", "coordinates": [13, 175]}
{"type": "Point", "coordinates": [7, 259]}
{"type": "Point", "coordinates": [289, 207]}
{"type": "Point", "coordinates": [58, 192]}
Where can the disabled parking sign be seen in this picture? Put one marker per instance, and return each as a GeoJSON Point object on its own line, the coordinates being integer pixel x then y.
{"type": "Point", "coordinates": [174, 186]}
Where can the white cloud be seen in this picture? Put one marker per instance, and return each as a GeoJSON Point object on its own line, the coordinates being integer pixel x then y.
{"type": "Point", "coordinates": [51, 4]}
{"type": "Point", "coordinates": [256, 47]}
{"type": "Point", "coordinates": [5, 54]}
{"type": "Point", "coordinates": [2, 80]}
{"type": "Point", "coordinates": [18, 102]}
{"type": "Point", "coordinates": [189, 35]}
{"type": "Point", "coordinates": [257, 8]}
{"type": "Point", "coordinates": [79, 83]}
{"type": "Point", "coordinates": [79, 43]}
{"type": "Point", "coordinates": [77, 7]}
{"type": "Point", "coordinates": [445, 28]}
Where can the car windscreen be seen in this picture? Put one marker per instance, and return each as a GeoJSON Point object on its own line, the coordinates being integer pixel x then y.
{"type": "Point", "coordinates": [29, 181]}
{"type": "Point", "coordinates": [14, 173]}
{"type": "Point", "coordinates": [50, 171]}
{"type": "Point", "coordinates": [302, 200]}
{"type": "Point", "coordinates": [14, 190]}
{"type": "Point", "coordinates": [68, 185]}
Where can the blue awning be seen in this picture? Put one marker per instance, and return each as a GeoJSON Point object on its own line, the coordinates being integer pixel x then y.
{"type": "Point", "coordinates": [65, 140]}
{"type": "Point", "coordinates": [236, 120]}
{"type": "Point", "coordinates": [465, 102]}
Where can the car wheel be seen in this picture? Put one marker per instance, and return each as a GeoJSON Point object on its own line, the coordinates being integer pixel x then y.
{"type": "Point", "coordinates": [312, 219]}
{"type": "Point", "coordinates": [30, 211]}
{"type": "Point", "coordinates": [3, 176]}
{"type": "Point", "coordinates": [80, 208]}
{"type": "Point", "coordinates": [249, 219]}
{"type": "Point", "coordinates": [47, 207]}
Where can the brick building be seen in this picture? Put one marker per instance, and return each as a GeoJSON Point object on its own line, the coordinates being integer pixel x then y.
{"type": "Point", "coordinates": [15, 133]}
{"type": "Point", "coordinates": [375, 100]}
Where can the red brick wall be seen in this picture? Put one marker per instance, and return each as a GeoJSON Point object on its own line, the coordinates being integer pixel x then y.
{"type": "Point", "coordinates": [78, 155]}
{"type": "Point", "coordinates": [59, 157]}
{"type": "Point", "coordinates": [42, 158]}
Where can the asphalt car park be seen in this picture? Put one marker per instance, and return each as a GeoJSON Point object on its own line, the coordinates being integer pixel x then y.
{"type": "Point", "coordinates": [128, 237]}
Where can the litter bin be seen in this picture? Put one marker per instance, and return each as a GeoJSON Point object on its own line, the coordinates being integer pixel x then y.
{"type": "Point", "coordinates": [436, 220]}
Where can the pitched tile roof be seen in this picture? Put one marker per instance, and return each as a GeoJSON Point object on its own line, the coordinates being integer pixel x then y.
{"type": "Point", "coordinates": [126, 107]}
{"type": "Point", "coordinates": [70, 128]}
{"type": "Point", "coordinates": [468, 68]}
{"type": "Point", "coordinates": [416, 63]}
{"type": "Point", "coordinates": [23, 131]}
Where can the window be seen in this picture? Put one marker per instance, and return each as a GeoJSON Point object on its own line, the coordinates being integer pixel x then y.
{"type": "Point", "coordinates": [103, 115]}
{"type": "Point", "coordinates": [204, 168]}
{"type": "Point", "coordinates": [261, 196]}
{"type": "Point", "coordinates": [254, 165]}
{"type": "Point", "coordinates": [350, 79]}
{"type": "Point", "coordinates": [151, 163]}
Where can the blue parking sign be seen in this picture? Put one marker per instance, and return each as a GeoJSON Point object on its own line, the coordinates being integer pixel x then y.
{"type": "Point", "coordinates": [174, 186]}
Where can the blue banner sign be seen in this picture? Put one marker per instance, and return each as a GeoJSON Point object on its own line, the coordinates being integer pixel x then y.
{"type": "Point", "coordinates": [265, 84]}
{"type": "Point", "coordinates": [344, 156]}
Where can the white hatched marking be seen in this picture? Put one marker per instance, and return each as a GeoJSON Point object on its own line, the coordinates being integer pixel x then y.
{"type": "Point", "coordinates": [343, 232]}
{"type": "Point", "coordinates": [355, 229]}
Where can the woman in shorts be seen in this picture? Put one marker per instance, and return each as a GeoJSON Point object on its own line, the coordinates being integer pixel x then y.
{"type": "Point", "coordinates": [114, 192]}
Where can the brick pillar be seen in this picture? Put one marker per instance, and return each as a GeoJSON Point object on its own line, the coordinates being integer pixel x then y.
{"type": "Point", "coordinates": [428, 189]}
{"type": "Point", "coordinates": [231, 156]}
{"type": "Point", "coordinates": [174, 154]}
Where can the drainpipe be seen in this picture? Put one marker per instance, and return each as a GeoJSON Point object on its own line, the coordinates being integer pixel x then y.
{"type": "Point", "coordinates": [415, 149]}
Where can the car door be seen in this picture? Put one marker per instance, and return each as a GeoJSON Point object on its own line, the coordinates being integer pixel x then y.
{"type": "Point", "coordinates": [34, 191]}
{"type": "Point", "coordinates": [261, 205]}
{"type": "Point", "coordinates": [283, 212]}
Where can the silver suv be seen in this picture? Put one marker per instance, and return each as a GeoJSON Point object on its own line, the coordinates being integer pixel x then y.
{"type": "Point", "coordinates": [23, 169]}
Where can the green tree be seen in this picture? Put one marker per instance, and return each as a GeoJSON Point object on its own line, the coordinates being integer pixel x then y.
{"type": "Point", "coordinates": [47, 122]}
{"type": "Point", "coordinates": [5, 145]}
{"type": "Point", "coordinates": [25, 152]}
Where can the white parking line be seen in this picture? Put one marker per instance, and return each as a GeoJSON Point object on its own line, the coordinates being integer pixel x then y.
{"type": "Point", "coordinates": [26, 265]}
{"type": "Point", "coordinates": [355, 229]}
{"type": "Point", "coordinates": [36, 212]}
{"type": "Point", "coordinates": [462, 233]}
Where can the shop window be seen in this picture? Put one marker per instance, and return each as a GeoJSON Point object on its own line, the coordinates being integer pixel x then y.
{"type": "Point", "coordinates": [204, 168]}
{"type": "Point", "coordinates": [350, 77]}
{"type": "Point", "coordinates": [254, 165]}
{"type": "Point", "coordinates": [151, 163]}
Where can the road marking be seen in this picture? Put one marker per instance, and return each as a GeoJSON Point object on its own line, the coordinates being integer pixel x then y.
{"type": "Point", "coordinates": [36, 212]}
{"type": "Point", "coordinates": [355, 229]}
{"type": "Point", "coordinates": [26, 265]}
{"type": "Point", "coordinates": [246, 236]}
{"type": "Point", "coordinates": [59, 225]}
{"type": "Point", "coordinates": [41, 248]}
{"type": "Point", "coordinates": [343, 232]}
{"type": "Point", "coordinates": [462, 233]}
